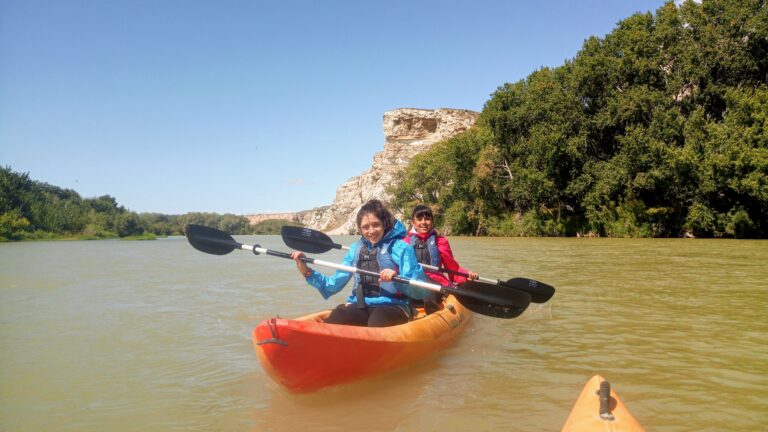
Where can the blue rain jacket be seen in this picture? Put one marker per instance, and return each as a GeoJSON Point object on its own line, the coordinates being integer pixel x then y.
{"type": "Point", "coordinates": [400, 253]}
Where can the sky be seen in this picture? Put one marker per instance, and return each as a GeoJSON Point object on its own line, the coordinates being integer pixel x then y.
{"type": "Point", "coordinates": [250, 106]}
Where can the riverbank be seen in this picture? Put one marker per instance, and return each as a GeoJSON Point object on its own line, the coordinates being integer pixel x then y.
{"type": "Point", "coordinates": [46, 236]}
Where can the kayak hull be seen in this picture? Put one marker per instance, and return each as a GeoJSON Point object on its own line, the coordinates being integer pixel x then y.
{"type": "Point", "coordinates": [585, 415]}
{"type": "Point", "coordinates": [305, 355]}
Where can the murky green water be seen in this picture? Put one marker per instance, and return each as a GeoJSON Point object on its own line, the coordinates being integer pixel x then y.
{"type": "Point", "coordinates": [117, 336]}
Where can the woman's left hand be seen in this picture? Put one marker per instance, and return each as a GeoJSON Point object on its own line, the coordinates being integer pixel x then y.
{"type": "Point", "coordinates": [387, 275]}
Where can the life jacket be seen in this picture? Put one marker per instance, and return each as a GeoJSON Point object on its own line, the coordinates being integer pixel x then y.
{"type": "Point", "coordinates": [426, 250]}
{"type": "Point", "coordinates": [374, 260]}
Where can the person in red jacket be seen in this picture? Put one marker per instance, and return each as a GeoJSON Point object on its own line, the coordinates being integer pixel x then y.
{"type": "Point", "coordinates": [433, 249]}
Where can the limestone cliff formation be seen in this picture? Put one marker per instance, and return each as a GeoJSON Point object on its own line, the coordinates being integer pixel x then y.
{"type": "Point", "coordinates": [408, 132]}
{"type": "Point", "coordinates": [261, 217]}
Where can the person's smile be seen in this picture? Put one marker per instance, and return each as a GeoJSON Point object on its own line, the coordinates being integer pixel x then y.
{"type": "Point", "coordinates": [422, 224]}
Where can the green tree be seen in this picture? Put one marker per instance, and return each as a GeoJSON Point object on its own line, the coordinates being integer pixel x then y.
{"type": "Point", "coordinates": [128, 224]}
{"type": "Point", "coordinates": [443, 178]}
{"type": "Point", "coordinates": [656, 129]}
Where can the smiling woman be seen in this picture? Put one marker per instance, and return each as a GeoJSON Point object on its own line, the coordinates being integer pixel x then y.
{"type": "Point", "coordinates": [376, 302]}
{"type": "Point", "coordinates": [434, 250]}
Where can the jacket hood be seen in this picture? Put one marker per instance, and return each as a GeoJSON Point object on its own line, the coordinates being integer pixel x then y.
{"type": "Point", "coordinates": [397, 232]}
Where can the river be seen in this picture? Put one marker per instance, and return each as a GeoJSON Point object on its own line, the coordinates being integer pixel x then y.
{"type": "Point", "coordinates": [154, 335]}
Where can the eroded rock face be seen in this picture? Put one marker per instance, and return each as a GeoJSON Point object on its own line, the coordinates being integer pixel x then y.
{"type": "Point", "coordinates": [408, 132]}
{"type": "Point", "coordinates": [256, 218]}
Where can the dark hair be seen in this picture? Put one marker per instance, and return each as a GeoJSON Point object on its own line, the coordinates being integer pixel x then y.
{"type": "Point", "coordinates": [376, 208]}
{"type": "Point", "coordinates": [421, 210]}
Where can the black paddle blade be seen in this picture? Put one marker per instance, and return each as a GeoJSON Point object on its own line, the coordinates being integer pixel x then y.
{"type": "Point", "coordinates": [492, 300]}
{"type": "Point", "coordinates": [491, 310]}
{"type": "Point", "coordinates": [539, 291]}
{"type": "Point", "coordinates": [307, 240]}
{"type": "Point", "coordinates": [210, 240]}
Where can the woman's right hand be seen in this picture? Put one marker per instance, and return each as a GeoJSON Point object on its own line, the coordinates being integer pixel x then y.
{"type": "Point", "coordinates": [301, 265]}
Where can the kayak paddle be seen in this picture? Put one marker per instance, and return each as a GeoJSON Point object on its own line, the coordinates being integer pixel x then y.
{"type": "Point", "coordinates": [312, 241]}
{"type": "Point", "coordinates": [483, 298]}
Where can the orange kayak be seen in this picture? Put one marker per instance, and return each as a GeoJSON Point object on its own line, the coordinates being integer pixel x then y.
{"type": "Point", "coordinates": [305, 355]}
{"type": "Point", "coordinates": [600, 409]}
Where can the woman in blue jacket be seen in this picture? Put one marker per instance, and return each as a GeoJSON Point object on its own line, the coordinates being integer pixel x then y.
{"type": "Point", "coordinates": [375, 302]}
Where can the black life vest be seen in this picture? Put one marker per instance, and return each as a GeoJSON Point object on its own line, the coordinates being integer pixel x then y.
{"type": "Point", "coordinates": [370, 286]}
{"type": "Point", "coordinates": [426, 250]}
{"type": "Point", "coordinates": [368, 261]}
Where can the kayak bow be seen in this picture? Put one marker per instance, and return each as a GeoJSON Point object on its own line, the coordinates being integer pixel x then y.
{"type": "Point", "coordinates": [600, 409]}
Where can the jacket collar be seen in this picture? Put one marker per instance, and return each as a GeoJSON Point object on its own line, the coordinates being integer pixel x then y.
{"type": "Point", "coordinates": [423, 236]}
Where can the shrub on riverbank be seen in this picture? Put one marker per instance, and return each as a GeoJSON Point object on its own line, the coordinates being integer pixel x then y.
{"type": "Point", "coordinates": [32, 210]}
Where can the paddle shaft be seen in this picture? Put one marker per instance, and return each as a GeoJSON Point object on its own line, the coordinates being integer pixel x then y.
{"type": "Point", "coordinates": [432, 287]}
{"type": "Point", "coordinates": [309, 240]}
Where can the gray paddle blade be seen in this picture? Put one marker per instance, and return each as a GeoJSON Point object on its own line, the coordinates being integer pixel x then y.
{"type": "Point", "coordinates": [210, 240]}
{"type": "Point", "coordinates": [307, 240]}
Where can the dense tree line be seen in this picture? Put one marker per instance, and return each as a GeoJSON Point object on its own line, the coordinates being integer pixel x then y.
{"type": "Point", "coordinates": [35, 210]}
{"type": "Point", "coordinates": [659, 129]}
{"type": "Point", "coordinates": [271, 226]}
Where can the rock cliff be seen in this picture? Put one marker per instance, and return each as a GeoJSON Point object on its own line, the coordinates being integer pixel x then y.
{"type": "Point", "coordinates": [261, 217]}
{"type": "Point", "coordinates": [408, 132]}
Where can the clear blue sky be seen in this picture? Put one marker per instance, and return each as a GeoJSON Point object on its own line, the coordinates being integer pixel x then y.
{"type": "Point", "coordinates": [248, 106]}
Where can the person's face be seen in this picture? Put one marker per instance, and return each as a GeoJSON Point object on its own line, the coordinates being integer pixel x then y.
{"type": "Point", "coordinates": [372, 228]}
{"type": "Point", "coordinates": [422, 223]}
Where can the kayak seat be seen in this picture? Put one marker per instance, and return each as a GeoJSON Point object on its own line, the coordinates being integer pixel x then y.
{"type": "Point", "coordinates": [418, 313]}
{"type": "Point", "coordinates": [432, 303]}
